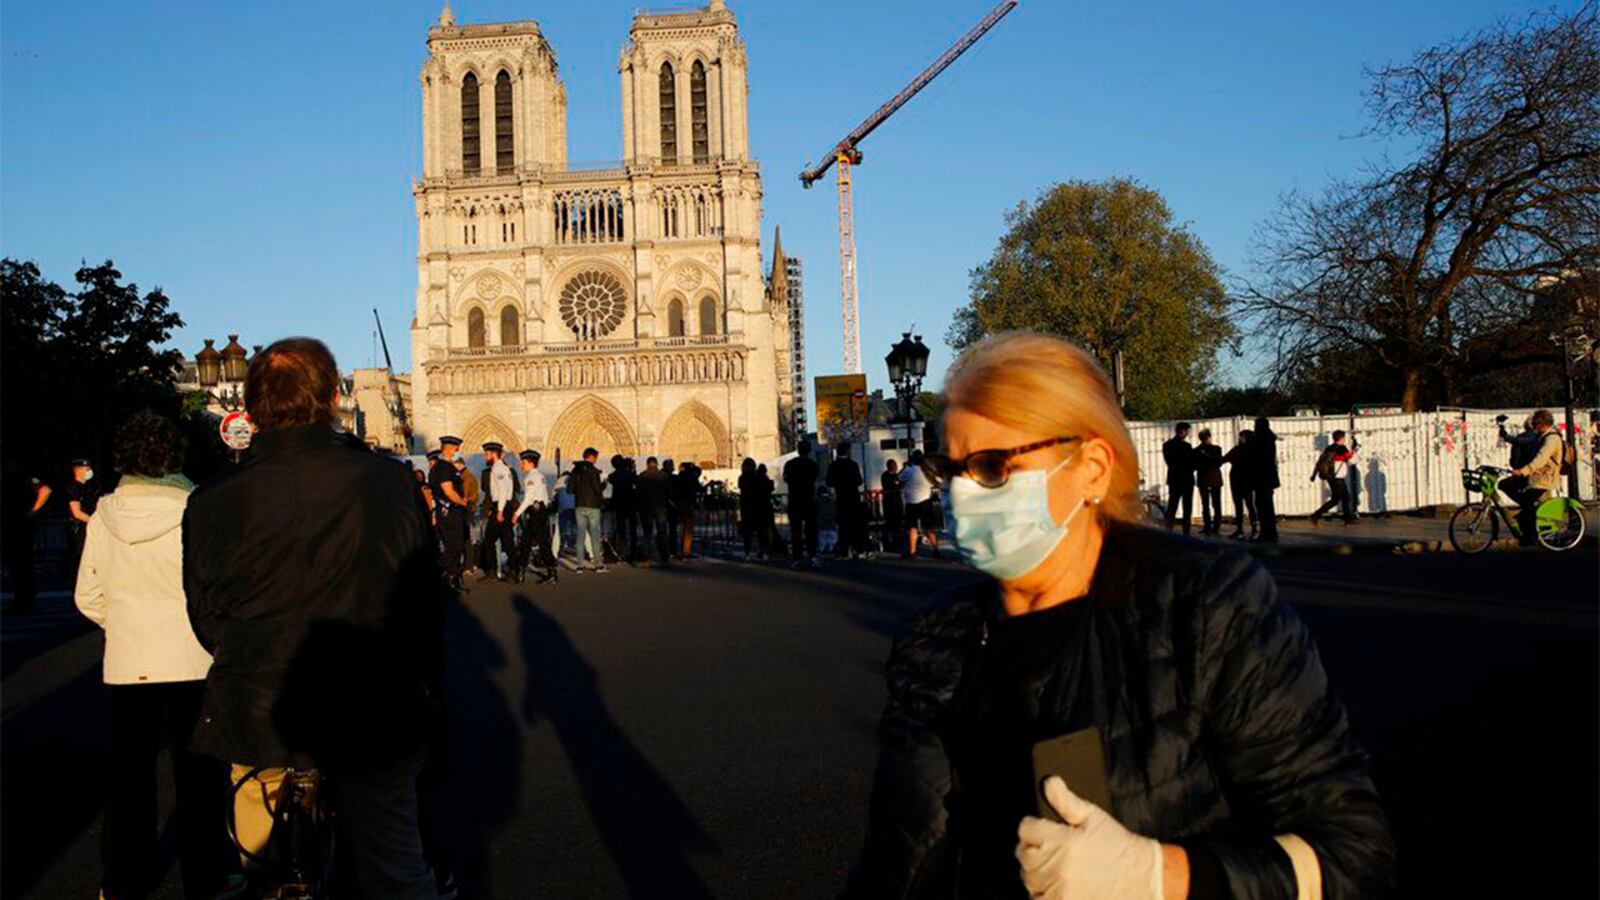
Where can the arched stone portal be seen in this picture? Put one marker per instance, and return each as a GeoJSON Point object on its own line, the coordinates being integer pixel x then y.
{"type": "Point", "coordinates": [590, 422]}
{"type": "Point", "coordinates": [695, 433]}
{"type": "Point", "coordinates": [489, 427]}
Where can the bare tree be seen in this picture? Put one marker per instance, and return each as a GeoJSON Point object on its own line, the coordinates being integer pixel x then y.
{"type": "Point", "coordinates": [1421, 263]}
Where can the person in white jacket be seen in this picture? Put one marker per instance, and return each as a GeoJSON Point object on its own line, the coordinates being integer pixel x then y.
{"type": "Point", "coordinates": [130, 583]}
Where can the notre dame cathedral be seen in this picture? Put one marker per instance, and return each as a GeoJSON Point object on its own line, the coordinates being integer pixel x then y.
{"type": "Point", "coordinates": [621, 308]}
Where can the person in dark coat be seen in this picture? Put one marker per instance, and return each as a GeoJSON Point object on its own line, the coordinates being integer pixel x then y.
{"type": "Point", "coordinates": [624, 482]}
{"type": "Point", "coordinates": [312, 578]}
{"type": "Point", "coordinates": [1229, 765]}
{"type": "Point", "coordinates": [1240, 483]}
{"type": "Point", "coordinates": [850, 513]}
{"type": "Point", "coordinates": [1180, 459]}
{"type": "Point", "coordinates": [800, 478]}
{"type": "Point", "coordinates": [655, 500]}
{"type": "Point", "coordinates": [1264, 478]}
{"type": "Point", "coordinates": [685, 500]}
{"type": "Point", "coordinates": [1208, 478]}
{"type": "Point", "coordinates": [894, 506]}
{"type": "Point", "coordinates": [752, 518]}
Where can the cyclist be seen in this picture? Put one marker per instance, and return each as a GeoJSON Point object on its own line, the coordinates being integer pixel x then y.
{"type": "Point", "coordinates": [1540, 475]}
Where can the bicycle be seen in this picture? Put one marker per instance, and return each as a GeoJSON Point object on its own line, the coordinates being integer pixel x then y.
{"type": "Point", "coordinates": [1558, 522]}
{"type": "Point", "coordinates": [297, 862]}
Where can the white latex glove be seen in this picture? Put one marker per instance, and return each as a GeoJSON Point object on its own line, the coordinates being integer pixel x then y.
{"type": "Point", "coordinates": [1091, 857]}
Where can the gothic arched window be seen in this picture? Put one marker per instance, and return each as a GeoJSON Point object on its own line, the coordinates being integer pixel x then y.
{"type": "Point", "coordinates": [698, 128]}
{"type": "Point", "coordinates": [675, 318]}
{"type": "Point", "coordinates": [475, 328]}
{"type": "Point", "coordinates": [708, 316]}
{"type": "Point", "coordinates": [471, 160]}
{"type": "Point", "coordinates": [669, 116]}
{"type": "Point", "coordinates": [504, 146]}
{"type": "Point", "coordinates": [510, 327]}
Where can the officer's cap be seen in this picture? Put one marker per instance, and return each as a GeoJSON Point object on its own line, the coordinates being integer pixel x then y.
{"type": "Point", "coordinates": [449, 439]}
{"type": "Point", "coordinates": [494, 446]}
{"type": "Point", "coordinates": [80, 461]}
{"type": "Point", "coordinates": [433, 454]}
{"type": "Point", "coordinates": [530, 455]}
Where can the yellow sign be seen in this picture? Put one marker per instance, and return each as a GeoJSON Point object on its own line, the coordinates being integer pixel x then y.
{"type": "Point", "coordinates": [841, 407]}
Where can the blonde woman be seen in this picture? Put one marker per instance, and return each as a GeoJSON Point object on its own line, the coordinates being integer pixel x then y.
{"type": "Point", "coordinates": [1229, 769]}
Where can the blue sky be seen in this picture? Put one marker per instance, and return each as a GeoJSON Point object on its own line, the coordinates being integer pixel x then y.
{"type": "Point", "coordinates": [255, 159]}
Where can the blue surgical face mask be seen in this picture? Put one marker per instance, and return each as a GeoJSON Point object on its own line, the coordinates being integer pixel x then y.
{"type": "Point", "coordinates": [1006, 531]}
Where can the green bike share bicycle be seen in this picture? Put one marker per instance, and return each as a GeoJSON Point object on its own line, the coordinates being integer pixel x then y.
{"type": "Point", "coordinates": [1558, 521]}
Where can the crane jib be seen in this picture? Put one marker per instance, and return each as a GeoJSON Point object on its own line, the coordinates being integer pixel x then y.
{"type": "Point", "coordinates": [848, 145]}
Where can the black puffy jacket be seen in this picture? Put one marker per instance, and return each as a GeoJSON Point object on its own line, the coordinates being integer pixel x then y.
{"type": "Point", "coordinates": [1221, 731]}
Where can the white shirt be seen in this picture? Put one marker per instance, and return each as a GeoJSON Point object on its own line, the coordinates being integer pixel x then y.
{"type": "Point", "coordinates": [130, 583]}
{"type": "Point", "coordinates": [535, 489]}
{"type": "Point", "coordinates": [502, 484]}
{"type": "Point", "coordinates": [914, 485]}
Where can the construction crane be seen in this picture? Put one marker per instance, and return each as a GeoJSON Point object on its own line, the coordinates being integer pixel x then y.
{"type": "Point", "coordinates": [394, 384]}
{"type": "Point", "coordinates": [846, 154]}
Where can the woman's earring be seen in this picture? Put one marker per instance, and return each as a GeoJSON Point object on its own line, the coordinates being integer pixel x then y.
{"type": "Point", "coordinates": [1094, 500]}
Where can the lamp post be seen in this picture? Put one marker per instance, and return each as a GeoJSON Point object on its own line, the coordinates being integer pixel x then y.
{"type": "Point", "coordinates": [1573, 344]}
{"type": "Point", "coordinates": [222, 372]}
{"type": "Point", "coordinates": [908, 365]}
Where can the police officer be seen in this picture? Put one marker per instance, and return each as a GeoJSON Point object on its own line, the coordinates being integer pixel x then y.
{"type": "Point", "coordinates": [82, 497]}
{"type": "Point", "coordinates": [500, 517]}
{"type": "Point", "coordinates": [534, 517]}
{"type": "Point", "coordinates": [451, 505]}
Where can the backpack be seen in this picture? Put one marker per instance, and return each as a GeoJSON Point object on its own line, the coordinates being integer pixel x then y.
{"type": "Point", "coordinates": [1325, 468]}
{"type": "Point", "coordinates": [1569, 455]}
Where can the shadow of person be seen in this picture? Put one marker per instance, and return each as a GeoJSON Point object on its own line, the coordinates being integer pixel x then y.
{"type": "Point", "coordinates": [1377, 485]}
{"type": "Point", "coordinates": [480, 762]}
{"type": "Point", "coordinates": [644, 824]}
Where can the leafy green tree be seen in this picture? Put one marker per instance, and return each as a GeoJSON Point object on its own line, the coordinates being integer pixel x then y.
{"type": "Point", "coordinates": [78, 364]}
{"type": "Point", "coordinates": [1103, 265]}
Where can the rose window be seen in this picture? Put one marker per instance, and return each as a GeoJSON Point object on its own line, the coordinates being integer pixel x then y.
{"type": "Point", "coordinates": [593, 304]}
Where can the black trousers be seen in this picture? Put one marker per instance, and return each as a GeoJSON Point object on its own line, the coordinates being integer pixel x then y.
{"type": "Point", "coordinates": [658, 532]}
{"type": "Point", "coordinates": [144, 719]}
{"type": "Point", "coordinates": [453, 533]}
{"type": "Point", "coordinates": [752, 528]}
{"type": "Point", "coordinates": [1180, 494]}
{"type": "Point", "coordinates": [1211, 508]}
{"type": "Point", "coordinates": [625, 531]}
{"type": "Point", "coordinates": [1244, 503]}
{"type": "Point", "coordinates": [851, 518]}
{"type": "Point", "coordinates": [1267, 513]}
{"type": "Point", "coordinates": [377, 812]}
{"type": "Point", "coordinates": [535, 539]}
{"type": "Point", "coordinates": [498, 535]}
{"type": "Point", "coordinates": [803, 532]}
{"type": "Point", "coordinates": [1528, 500]}
{"type": "Point", "coordinates": [1339, 497]}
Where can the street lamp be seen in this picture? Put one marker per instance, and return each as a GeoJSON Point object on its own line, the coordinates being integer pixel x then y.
{"type": "Point", "coordinates": [222, 372]}
{"type": "Point", "coordinates": [908, 365]}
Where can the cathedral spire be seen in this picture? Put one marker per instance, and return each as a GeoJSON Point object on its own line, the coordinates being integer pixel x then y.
{"type": "Point", "coordinates": [778, 267]}
{"type": "Point", "coordinates": [447, 18]}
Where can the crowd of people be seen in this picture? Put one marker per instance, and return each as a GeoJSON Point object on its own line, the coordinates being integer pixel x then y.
{"type": "Point", "coordinates": [1252, 481]}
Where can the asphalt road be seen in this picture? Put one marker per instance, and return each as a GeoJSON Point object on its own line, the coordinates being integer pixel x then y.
{"type": "Point", "coordinates": [709, 731]}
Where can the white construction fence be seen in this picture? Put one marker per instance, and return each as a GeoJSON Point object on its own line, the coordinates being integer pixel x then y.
{"type": "Point", "coordinates": [1407, 461]}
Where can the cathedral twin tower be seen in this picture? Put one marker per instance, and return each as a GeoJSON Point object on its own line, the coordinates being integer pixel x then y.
{"type": "Point", "coordinates": [619, 308]}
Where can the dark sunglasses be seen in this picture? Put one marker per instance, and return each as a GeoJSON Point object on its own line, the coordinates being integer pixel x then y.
{"type": "Point", "coordinates": [989, 468]}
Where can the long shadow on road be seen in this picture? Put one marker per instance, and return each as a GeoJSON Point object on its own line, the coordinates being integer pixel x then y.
{"type": "Point", "coordinates": [646, 827]}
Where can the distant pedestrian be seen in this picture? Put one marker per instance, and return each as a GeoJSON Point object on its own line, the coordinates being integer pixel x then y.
{"type": "Point", "coordinates": [566, 530]}
{"type": "Point", "coordinates": [894, 508]}
{"type": "Point", "coordinates": [471, 489]}
{"type": "Point", "coordinates": [1523, 447]}
{"type": "Point", "coordinates": [671, 468]}
{"type": "Point", "coordinates": [451, 507]}
{"type": "Point", "coordinates": [685, 500]}
{"type": "Point", "coordinates": [588, 494]}
{"type": "Point", "coordinates": [1180, 460]}
{"type": "Point", "coordinates": [655, 498]}
{"type": "Point", "coordinates": [800, 477]}
{"type": "Point", "coordinates": [499, 520]}
{"type": "Point", "coordinates": [310, 575]}
{"type": "Point", "coordinates": [1208, 477]}
{"type": "Point", "coordinates": [82, 497]}
{"type": "Point", "coordinates": [752, 521]}
{"type": "Point", "coordinates": [130, 583]}
{"type": "Point", "coordinates": [624, 482]}
{"type": "Point", "coordinates": [850, 514]}
{"type": "Point", "coordinates": [1242, 487]}
{"type": "Point", "coordinates": [533, 517]}
{"type": "Point", "coordinates": [1263, 455]}
{"type": "Point", "coordinates": [1333, 467]}
{"type": "Point", "coordinates": [922, 519]}
{"type": "Point", "coordinates": [769, 516]}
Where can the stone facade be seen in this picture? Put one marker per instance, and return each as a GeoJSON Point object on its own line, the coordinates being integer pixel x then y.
{"type": "Point", "coordinates": [621, 308]}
